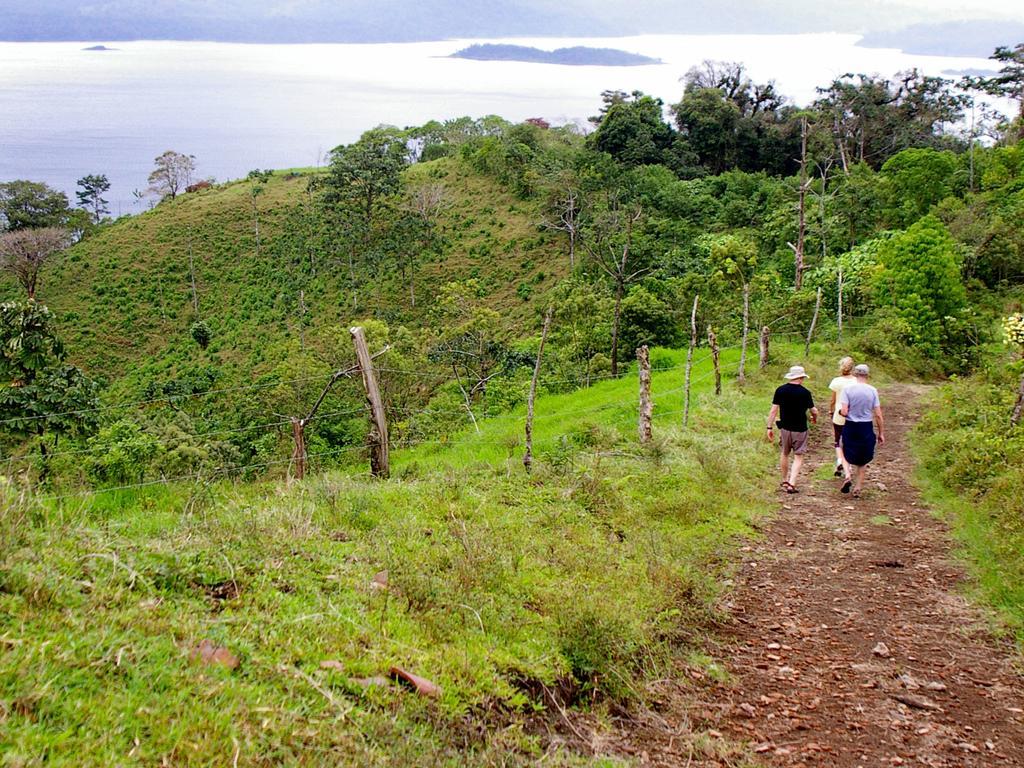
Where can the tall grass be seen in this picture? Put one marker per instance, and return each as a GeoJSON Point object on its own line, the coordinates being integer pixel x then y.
{"type": "Point", "coordinates": [578, 583]}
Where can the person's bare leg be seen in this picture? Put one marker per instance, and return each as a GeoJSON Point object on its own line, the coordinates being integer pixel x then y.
{"type": "Point", "coordinates": [859, 482]}
{"type": "Point", "coordinates": [784, 465]}
{"type": "Point", "coordinates": [798, 461]}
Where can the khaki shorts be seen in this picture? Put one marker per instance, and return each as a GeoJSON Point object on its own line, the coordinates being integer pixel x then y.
{"type": "Point", "coordinates": [793, 442]}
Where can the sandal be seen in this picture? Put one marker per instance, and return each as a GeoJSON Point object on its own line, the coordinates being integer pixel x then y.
{"type": "Point", "coordinates": [856, 494]}
{"type": "Point", "coordinates": [839, 471]}
{"type": "Point", "coordinates": [788, 488]}
{"type": "Point", "coordinates": [846, 486]}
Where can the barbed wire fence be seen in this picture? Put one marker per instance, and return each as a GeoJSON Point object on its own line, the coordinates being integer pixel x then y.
{"type": "Point", "coordinates": [378, 443]}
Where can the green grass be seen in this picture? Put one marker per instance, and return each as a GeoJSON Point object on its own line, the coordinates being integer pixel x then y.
{"type": "Point", "coordinates": [586, 578]}
{"type": "Point", "coordinates": [969, 466]}
{"type": "Point", "coordinates": [123, 296]}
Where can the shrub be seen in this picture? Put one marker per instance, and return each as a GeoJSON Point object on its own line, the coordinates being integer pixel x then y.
{"type": "Point", "coordinates": [920, 278]}
{"type": "Point", "coordinates": [201, 333]}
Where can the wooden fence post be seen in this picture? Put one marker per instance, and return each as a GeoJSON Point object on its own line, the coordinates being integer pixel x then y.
{"type": "Point", "coordinates": [763, 347]}
{"type": "Point", "coordinates": [646, 406]}
{"type": "Point", "coordinates": [299, 450]}
{"type": "Point", "coordinates": [380, 465]}
{"type": "Point", "coordinates": [528, 453]}
{"type": "Point", "coordinates": [814, 322]}
{"type": "Point", "coordinates": [713, 343]}
{"type": "Point", "coordinates": [689, 358]}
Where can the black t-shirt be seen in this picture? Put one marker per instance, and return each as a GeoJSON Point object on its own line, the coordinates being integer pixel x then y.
{"type": "Point", "coordinates": [794, 400]}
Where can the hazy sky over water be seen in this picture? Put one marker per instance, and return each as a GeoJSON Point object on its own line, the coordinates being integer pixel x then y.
{"type": "Point", "coordinates": [405, 20]}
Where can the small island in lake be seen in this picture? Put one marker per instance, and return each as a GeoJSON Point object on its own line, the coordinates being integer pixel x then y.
{"type": "Point", "coordinates": [576, 56]}
{"type": "Point", "coordinates": [98, 48]}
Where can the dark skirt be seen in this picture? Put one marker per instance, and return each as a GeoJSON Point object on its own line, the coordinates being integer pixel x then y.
{"type": "Point", "coordinates": [859, 442]}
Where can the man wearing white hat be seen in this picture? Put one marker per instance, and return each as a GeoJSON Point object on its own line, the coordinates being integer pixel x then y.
{"type": "Point", "coordinates": [791, 403]}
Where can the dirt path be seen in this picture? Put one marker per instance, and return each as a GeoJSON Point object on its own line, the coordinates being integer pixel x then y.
{"type": "Point", "coordinates": [850, 644]}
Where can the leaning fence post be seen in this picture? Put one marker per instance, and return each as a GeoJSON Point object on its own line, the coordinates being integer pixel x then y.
{"type": "Point", "coordinates": [814, 322]}
{"type": "Point", "coordinates": [762, 347]}
{"type": "Point", "coordinates": [379, 460]}
{"type": "Point", "coordinates": [689, 358]}
{"type": "Point", "coordinates": [528, 454]}
{"type": "Point", "coordinates": [713, 343]}
{"type": "Point", "coordinates": [646, 406]}
{"type": "Point", "coordinates": [299, 449]}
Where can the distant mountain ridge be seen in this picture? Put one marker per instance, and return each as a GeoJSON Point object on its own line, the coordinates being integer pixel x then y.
{"type": "Point", "coordinates": [288, 21]}
{"type": "Point", "coordinates": [577, 56]}
{"type": "Point", "coordinates": [956, 38]}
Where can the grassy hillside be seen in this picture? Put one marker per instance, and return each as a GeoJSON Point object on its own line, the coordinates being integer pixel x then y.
{"type": "Point", "coordinates": [124, 296]}
{"type": "Point", "coordinates": [582, 582]}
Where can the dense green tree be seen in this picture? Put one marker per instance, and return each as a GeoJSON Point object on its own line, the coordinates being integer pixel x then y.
{"type": "Point", "coordinates": [920, 277]}
{"type": "Point", "coordinates": [917, 180]}
{"type": "Point", "coordinates": [40, 394]}
{"type": "Point", "coordinates": [362, 174]}
{"type": "Point", "coordinates": [647, 318]}
{"type": "Point", "coordinates": [858, 203]}
{"type": "Point", "coordinates": [92, 187]}
{"type": "Point", "coordinates": [359, 193]}
{"type": "Point", "coordinates": [582, 332]}
{"type": "Point", "coordinates": [710, 123]}
{"type": "Point", "coordinates": [32, 204]}
{"type": "Point", "coordinates": [633, 131]}
{"type": "Point", "coordinates": [728, 121]}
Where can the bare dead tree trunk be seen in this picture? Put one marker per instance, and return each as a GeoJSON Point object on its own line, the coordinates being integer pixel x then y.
{"type": "Point", "coordinates": [570, 224]}
{"type": "Point", "coordinates": [614, 266]}
{"type": "Point", "coordinates": [352, 279]}
{"type": "Point", "coordinates": [380, 466]}
{"type": "Point", "coordinates": [528, 453]}
{"type": "Point", "coordinates": [821, 209]}
{"type": "Point", "coordinates": [741, 375]}
{"type": "Point", "coordinates": [192, 278]}
{"type": "Point", "coordinates": [802, 231]}
{"type": "Point", "coordinates": [619, 289]}
{"type": "Point", "coordinates": [841, 144]}
{"type": "Point", "coordinates": [689, 359]}
{"type": "Point", "coordinates": [256, 222]}
{"type": "Point", "coordinates": [814, 322]}
{"type": "Point", "coordinates": [713, 343]}
{"type": "Point", "coordinates": [763, 350]}
{"type": "Point", "coordinates": [466, 399]}
{"type": "Point", "coordinates": [839, 306]}
{"type": "Point", "coordinates": [646, 405]}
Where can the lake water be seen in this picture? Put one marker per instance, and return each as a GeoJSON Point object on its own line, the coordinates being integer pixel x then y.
{"type": "Point", "coordinates": [66, 112]}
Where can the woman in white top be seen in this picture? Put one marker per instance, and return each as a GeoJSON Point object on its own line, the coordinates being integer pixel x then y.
{"type": "Point", "coordinates": [837, 385]}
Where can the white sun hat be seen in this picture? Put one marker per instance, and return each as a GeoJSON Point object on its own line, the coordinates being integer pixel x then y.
{"type": "Point", "coordinates": [796, 372]}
